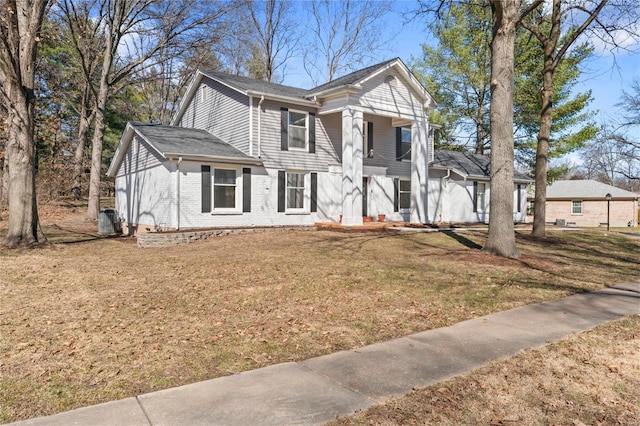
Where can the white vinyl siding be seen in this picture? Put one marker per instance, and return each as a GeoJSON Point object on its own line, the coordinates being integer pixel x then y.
{"type": "Point", "coordinates": [221, 111]}
{"type": "Point", "coordinates": [270, 140]}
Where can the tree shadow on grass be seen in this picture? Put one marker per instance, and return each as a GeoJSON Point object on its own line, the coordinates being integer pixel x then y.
{"type": "Point", "coordinates": [463, 240]}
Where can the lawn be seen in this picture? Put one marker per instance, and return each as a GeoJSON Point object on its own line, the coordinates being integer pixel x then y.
{"type": "Point", "coordinates": [100, 319]}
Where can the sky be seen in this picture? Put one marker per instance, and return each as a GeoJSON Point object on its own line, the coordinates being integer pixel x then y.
{"type": "Point", "coordinates": [606, 75]}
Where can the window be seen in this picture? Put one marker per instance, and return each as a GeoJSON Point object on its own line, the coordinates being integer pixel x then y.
{"type": "Point", "coordinates": [365, 139]}
{"type": "Point", "coordinates": [404, 194]}
{"type": "Point", "coordinates": [478, 196]}
{"type": "Point", "coordinates": [403, 143]}
{"type": "Point", "coordinates": [295, 190]}
{"type": "Point", "coordinates": [203, 93]}
{"type": "Point", "coordinates": [576, 207]}
{"type": "Point", "coordinates": [297, 130]}
{"type": "Point", "coordinates": [224, 189]}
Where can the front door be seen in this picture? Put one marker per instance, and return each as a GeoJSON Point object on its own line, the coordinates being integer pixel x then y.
{"type": "Point", "coordinates": [365, 196]}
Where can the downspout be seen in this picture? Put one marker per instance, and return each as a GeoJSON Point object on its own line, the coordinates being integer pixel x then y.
{"type": "Point", "coordinates": [260, 126]}
{"type": "Point", "coordinates": [442, 185]}
{"type": "Point", "coordinates": [250, 126]}
{"type": "Point", "coordinates": [178, 194]}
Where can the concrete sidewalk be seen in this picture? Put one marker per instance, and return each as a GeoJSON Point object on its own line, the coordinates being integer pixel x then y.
{"type": "Point", "coordinates": [319, 389]}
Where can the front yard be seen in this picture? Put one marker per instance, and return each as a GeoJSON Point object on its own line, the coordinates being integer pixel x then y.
{"type": "Point", "coordinates": [87, 322]}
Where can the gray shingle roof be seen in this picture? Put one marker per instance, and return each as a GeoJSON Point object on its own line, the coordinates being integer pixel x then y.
{"type": "Point", "coordinates": [351, 78]}
{"type": "Point", "coordinates": [244, 84]}
{"type": "Point", "coordinates": [584, 189]}
{"type": "Point", "coordinates": [183, 141]}
{"type": "Point", "coordinates": [472, 165]}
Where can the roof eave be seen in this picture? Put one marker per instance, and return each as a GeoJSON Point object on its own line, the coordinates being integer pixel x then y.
{"type": "Point", "coordinates": [213, 158]}
{"type": "Point", "coordinates": [283, 98]}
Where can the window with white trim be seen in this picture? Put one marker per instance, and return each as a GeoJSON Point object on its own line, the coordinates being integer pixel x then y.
{"type": "Point", "coordinates": [295, 190]}
{"type": "Point", "coordinates": [479, 196]}
{"type": "Point", "coordinates": [576, 207]}
{"type": "Point", "coordinates": [404, 194]}
{"type": "Point", "coordinates": [298, 134]}
{"type": "Point", "coordinates": [405, 141]}
{"type": "Point", "coordinates": [224, 189]}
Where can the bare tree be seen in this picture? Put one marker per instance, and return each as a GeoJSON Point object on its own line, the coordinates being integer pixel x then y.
{"type": "Point", "coordinates": [87, 38]}
{"type": "Point", "coordinates": [343, 35]}
{"type": "Point", "coordinates": [134, 33]}
{"type": "Point", "coordinates": [275, 37]}
{"type": "Point", "coordinates": [20, 24]}
{"type": "Point", "coordinates": [506, 16]}
{"type": "Point", "coordinates": [548, 29]}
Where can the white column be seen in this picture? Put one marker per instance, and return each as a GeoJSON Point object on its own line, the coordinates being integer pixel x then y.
{"type": "Point", "coordinates": [419, 170]}
{"type": "Point", "coordinates": [351, 167]}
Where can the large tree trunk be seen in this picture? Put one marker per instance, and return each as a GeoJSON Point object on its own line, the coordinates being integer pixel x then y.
{"type": "Point", "coordinates": [21, 21]}
{"type": "Point", "coordinates": [501, 238]}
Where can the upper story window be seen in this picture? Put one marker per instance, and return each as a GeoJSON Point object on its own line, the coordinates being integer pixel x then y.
{"type": "Point", "coordinates": [298, 130]}
{"type": "Point", "coordinates": [405, 143]}
{"type": "Point", "coordinates": [576, 207]}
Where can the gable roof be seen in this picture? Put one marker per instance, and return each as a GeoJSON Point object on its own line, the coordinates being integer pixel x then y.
{"type": "Point", "coordinates": [585, 189]}
{"type": "Point", "coordinates": [468, 165]}
{"type": "Point", "coordinates": [254, 87]}
{"type": "Point", "coordinates": [174, 142]}
{"type": "Point", "coordinates": [352, 78]}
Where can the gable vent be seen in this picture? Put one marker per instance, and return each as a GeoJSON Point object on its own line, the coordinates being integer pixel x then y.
{"type": "Point", "coordinates": [391, 80]}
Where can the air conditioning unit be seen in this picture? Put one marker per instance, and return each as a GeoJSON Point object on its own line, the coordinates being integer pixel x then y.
{"type": "Point", "coordinates": [561, 222]}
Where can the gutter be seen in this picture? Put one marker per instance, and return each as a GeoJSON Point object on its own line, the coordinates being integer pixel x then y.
{"type": "Point", "coordinates": [297, 101]}
{"type": "Point", "coordinates": [178, 194]}
{"type": "Point", "coordinates": [213, 158]}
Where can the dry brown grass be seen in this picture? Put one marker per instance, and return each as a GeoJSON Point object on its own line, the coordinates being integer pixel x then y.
{"type": "Point", "coordinates": [87, 322]}
{"type": "Point", "coordinates": [591, 378]}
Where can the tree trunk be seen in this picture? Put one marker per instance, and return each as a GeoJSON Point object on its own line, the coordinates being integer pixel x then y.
{"type": "Point", "coordinates": [93, 207]}
{"type": "Point", "coordinates": [542, 150]}
{"type": "Point", "coordinates": [21, 22]}
{"type": "Point", "coordinates": [501, 237]}
{"type": "Point", "coordinates": [84, 123]}
{"type": "Point", "coordinates": [4, 190]}
{"type": "Point", "coordinates": [23, 213]}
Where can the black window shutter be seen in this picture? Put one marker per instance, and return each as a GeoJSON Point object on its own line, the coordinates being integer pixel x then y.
{"type": "Point", "coordinates": [475, 196]}
{"type": "Point", "coordinates": [205, 172]}
{"type": "Point", "coordinates": [312, 133]}
{"type": "Point", "coordinates": [281, 190]}
{"type": "Point", "coordinates": [519, 199]}
{"type": "Point", "coordinates": [369, 138]}
{"type": "Point", "coordinates": [314, 192]}
{"type": "Point", "coordinates": [284, 129]}
{"type": "Point", "coordinates": [398, 144]}
{"type": "Point", "coordinates": [246, 189]}
{"type": "Point", "coordinates": [396, 195]}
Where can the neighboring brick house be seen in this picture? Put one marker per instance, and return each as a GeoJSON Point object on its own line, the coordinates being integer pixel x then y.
{"type": "Point", "coordinates": [242, 152]}
{"type": "Point", "coordinates": [584, 203]}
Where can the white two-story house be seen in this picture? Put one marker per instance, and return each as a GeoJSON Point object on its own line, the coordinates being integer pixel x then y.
{"type": "Point", "coordinates": [242, 152]}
